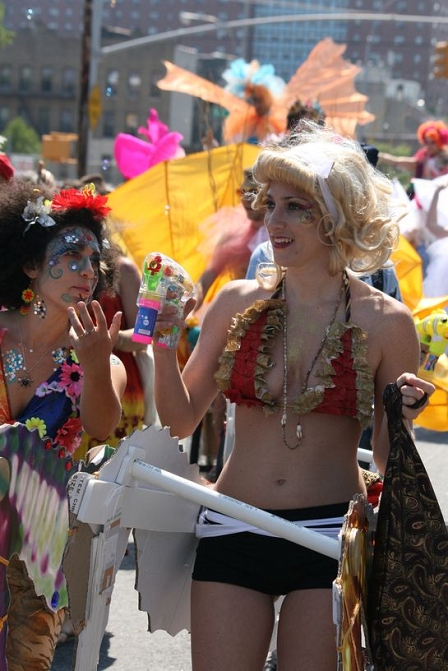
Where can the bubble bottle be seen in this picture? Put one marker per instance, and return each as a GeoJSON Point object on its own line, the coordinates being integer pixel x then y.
{"type": "Point", "coordinates": [163, 282]}
{"type": "Point", "coordinates": [151, 297]}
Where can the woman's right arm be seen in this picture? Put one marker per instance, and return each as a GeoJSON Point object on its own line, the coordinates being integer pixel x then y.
{"type": "Point", "coordinates": [403, 162]}
{"type": "Point", "coordinates": [183, 399]}
{"type": "Point", "coordinates": [431, 219]}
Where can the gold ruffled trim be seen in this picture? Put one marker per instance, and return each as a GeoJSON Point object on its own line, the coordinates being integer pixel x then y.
{"type": "Point", "coordinates": [240, 324]}
{"type": "Point", "coordinates": [332, 349]}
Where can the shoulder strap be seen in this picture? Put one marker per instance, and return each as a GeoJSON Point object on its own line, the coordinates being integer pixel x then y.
{"type": "Point", "coordinates": [348, 296]}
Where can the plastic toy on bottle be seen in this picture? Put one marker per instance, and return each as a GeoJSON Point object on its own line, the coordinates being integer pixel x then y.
{"type": "Point", "coordinates": [433, 335]}
{"type": "Point", "coordinates": [163, 282]}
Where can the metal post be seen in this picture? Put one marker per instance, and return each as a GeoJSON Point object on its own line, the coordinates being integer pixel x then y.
{"type": "Point", "coordinates": [84, 89]}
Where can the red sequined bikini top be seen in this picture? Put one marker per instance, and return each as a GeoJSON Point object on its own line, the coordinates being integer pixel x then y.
{"type": "Point", "coordinates": [346, 382]}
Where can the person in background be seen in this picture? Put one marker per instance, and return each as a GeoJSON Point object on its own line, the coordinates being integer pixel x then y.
{"type": "Point", "coordinates": [302, 357]}
{"type": "Point", "coordinates": [435, 281]}
{"type": "Point", "coordinates": [58, 378]}
{"type": "Point", "coordinates": [431, 160]}
{"type": "Point", "coordinates": [238, 231]}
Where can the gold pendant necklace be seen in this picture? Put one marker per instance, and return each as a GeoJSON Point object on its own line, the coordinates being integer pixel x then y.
{"type": "Point", "coordinates": [299, 431]}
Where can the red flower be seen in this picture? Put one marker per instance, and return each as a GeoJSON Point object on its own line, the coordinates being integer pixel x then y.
{"type": "Point", "coordinates": [77, 199]}
{"type": "Point", "coordinates": [155, 265]}
{"type": "Point", "coordinates": [69, 435]}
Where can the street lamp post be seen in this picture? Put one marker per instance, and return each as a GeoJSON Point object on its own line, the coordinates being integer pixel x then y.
{"type": "Point", "coordinates": [89, 71]}
{"type": "Point", "coordinates": [84, 88]}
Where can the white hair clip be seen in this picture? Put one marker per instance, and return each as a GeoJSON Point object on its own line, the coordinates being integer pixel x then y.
{"type": "Point", "coordinates": [322, 166]}
{"type": "Point", "coordinates": [38, 213]}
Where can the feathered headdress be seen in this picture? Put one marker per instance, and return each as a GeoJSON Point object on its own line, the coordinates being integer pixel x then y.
{"type": "Point", "coordinates": [325, 77]}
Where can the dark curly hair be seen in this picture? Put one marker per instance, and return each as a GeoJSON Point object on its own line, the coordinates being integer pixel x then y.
{"type": "Point", "coordinates": [19, 250]}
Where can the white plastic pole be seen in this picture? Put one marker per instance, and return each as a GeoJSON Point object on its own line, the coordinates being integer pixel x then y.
{"type": "Point", "coordinates": [235, 508]}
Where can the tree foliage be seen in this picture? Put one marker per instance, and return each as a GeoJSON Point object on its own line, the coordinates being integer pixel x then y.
{"type": "Point", "coordinates": [6, 36]}
{"type": "Point", "coordinates": [21, 138]}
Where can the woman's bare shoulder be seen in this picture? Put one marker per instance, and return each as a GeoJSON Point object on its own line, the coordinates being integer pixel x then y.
{"type": "Point", "coordinates": [374, 309]}
{"type": "Point", "coordinates": [234, 297]}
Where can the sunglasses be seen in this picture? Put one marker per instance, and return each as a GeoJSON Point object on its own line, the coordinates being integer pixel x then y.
{"type": "Point", "coordinates": [247, 193]}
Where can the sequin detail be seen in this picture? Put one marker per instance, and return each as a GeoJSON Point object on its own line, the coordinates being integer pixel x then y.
{"type": "Point", "coordinates": [346, 383]}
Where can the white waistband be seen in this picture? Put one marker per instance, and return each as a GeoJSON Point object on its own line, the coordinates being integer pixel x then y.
{"type": "Point", "coordinates": [211, 523]}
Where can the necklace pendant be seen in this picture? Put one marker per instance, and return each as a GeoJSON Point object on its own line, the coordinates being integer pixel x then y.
{"type": "Point", "coordinates": [299, 432]}
{"type": "Point", "coordinates": [25, 380]}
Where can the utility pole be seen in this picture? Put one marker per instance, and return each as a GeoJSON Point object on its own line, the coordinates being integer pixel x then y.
{"type": "Point", "coordinates": [84, 89]}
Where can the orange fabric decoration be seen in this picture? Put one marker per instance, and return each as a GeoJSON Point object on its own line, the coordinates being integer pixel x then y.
{"type": "Point", "coordinates": [325, 77]}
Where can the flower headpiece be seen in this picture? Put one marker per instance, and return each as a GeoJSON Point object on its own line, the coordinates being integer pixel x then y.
{"type": "Point", "coordinates": [38, 212]}
{"type": "Point", "coordinates": [79, 199]}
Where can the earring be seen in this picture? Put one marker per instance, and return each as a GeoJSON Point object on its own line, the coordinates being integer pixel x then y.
{"type": "Point", "coordinates": [39, 308]}
{"type": "Point", "coordinates": [28, 297]}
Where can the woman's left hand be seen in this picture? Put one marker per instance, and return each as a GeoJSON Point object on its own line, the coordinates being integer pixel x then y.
{"type": "Point", "coordinates": [89, 332]}
{"type": "Point", "coordinates": [415, 393]}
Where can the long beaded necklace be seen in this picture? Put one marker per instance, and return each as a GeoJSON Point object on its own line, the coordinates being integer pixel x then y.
{"type": "Point", "coordinates": [299, 431]}
{"type": "Point", "coordinates": [25, 379]}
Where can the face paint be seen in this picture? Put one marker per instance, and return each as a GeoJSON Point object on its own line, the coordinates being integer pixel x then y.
{"type": "Point", "coordinates": [76, 250]}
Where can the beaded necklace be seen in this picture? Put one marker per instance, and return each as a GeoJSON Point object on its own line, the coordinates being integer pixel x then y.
{"type": "Point", "coordinates": [299, 431]}
{"type": "Point", "coordinates": [15, 361]}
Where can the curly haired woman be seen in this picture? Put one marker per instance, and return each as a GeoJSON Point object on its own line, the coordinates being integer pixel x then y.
{"type": "Point", "coordinates": [57, 379]}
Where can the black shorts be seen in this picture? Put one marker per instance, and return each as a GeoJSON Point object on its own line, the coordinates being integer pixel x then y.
{"type": "Point", "coordinates": [268, 564]}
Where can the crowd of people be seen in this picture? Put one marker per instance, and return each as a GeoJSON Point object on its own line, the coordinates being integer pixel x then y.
{"type": "Point", "coordinates": [302, 341]}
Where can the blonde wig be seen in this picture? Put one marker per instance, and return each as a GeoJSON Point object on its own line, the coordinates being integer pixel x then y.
{"type": "Point", "coordinates": [354, 197]}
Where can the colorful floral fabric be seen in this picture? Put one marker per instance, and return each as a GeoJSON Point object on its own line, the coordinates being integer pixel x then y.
{"type": "Point", "coordinates": [54, 409]}
{"type": "Point", "coordinates": [39, 444]}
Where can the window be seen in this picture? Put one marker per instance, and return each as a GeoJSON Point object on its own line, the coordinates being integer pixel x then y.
{"type": "Point", "coordinates": [109, 124]}
{"type": "Point", "coordinates": [131, 123]}
{"type": "Point", "coordinates": [134, 84]}
{"type": "Point", "coordinates": [66, 122]}
{"type": "Point", "coordinates": [112, 83]}
{"type": "Point", "coordinates": [68, 81]}
{"type": "Point", "coordinates": [46, 82]}
{"type": "Point", "coordinates": [44, 120]}
{"type": "Point", "coordinates": [25, 78]}
{"type": "Point", "coordinates": [5, 77]}
{"type": "Point", "coordinates": [4, 116]}
{"type": "Point", "coordinates": [154, 91]}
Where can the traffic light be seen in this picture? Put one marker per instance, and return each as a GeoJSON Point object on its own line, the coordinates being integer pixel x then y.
{"type": "Point", "coordinates": [441, 61]}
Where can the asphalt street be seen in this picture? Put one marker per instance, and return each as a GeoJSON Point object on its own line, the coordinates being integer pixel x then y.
{"type": "Point", "coordinates": [127, 645]}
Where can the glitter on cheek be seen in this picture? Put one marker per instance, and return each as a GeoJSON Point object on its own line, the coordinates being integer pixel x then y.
{"type": "Point", "coordinates": [69, 299]}
{"type": "Point", "coordinates": [307, 216]}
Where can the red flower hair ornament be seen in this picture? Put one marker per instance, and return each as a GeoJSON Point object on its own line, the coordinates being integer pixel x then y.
{"type": "Point", "coordinates": [78, 199]}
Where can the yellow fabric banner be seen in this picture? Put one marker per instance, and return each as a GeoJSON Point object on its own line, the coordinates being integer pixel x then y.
{"type": "Point", "coordinates": [161, 210]}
